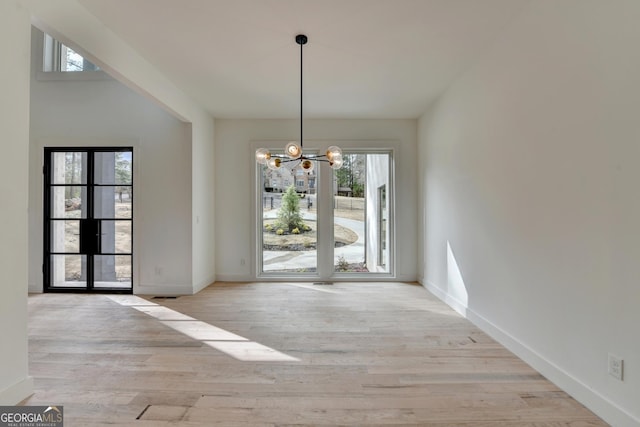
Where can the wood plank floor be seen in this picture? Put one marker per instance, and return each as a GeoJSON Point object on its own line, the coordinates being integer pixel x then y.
{"type": "Point", "coordinates": [276, 354]}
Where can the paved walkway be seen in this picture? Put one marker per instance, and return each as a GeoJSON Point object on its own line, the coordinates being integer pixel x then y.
{"type": "Point", "coordinates": [288, 260]}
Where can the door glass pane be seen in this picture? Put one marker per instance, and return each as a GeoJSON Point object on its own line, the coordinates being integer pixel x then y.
{"type": "Point", "coordinates": [349, 214]}
{"type": "Point", "coordinates": [65, 236]}
{"type": "Point", "coordinates": [382, 219]}
{"type": "Point", "coordinates": [112, 168]}
{"type": "Point", "coordinates": [124, 201]}
{"type": "Point", "coordinates": [360, 214]}
{"type": "Point", "coordinates": [378, 213]}
{"type": "Point", "coordinates": [113, 202]}
{"type": "Point", "coordinates": [112, 271]}
{"type": "Point", "coordinates": [68, 271]}
{"type": "Point", "coordinates": [68, 202]}
{"type": "Point", "coordinates": [68, 168]}
{"type": "Point", "coordinates": [116, 237]}
{"type": "Point", "coordinates": [289, 226]}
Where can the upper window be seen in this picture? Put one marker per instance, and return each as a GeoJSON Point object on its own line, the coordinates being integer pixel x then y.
{"type": "Point", "coordinates": [57, 57]}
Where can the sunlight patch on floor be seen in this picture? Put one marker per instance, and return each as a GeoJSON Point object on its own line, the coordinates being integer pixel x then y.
{"type": "Point", "coordinates": [162, 313]}
{"type": "Point", "coordinates": [129, 300]}
{"type": "Point", "coordinates": [236, 346]}
{"type": "Point", "coordinates": [312, 287]}
{"type": "Point", "coordinates": [202, 331]}
{"type": "Point", "coordinates": [250, 351]}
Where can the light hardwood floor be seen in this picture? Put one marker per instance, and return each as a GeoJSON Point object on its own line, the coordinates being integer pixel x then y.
{"type": "Point", "coordinates": [277, 354]}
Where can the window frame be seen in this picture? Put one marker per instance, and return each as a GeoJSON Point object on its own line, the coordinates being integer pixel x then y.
{"type": "Point", "coordinates": [325, 241]}
{"type": "Point", "coordinates": [48, 60]}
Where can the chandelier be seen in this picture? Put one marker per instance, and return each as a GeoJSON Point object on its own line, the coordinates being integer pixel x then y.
{"type": "Point", "coordinates": [292, 151]}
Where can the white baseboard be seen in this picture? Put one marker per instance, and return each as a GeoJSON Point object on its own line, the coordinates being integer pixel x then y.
{"type": "Point", "coordinates": [163, 290]}
{"type": "Point", "coordinates": [452, 302]}
{"type": "Point", "coordinates": [600, 405]}
{"type": "Point", "coordinates": [203, 284]}
{"type": "Point", "coordinates": [411, 278]}
{"type": "Point", "coordinates": [234, 278]}
{"type": "Point", "coordinates": [243, 278]}
{"type": "Point", "coordinates": [17, 392]}
{"type": "Point", "coordinates": [35, 289]}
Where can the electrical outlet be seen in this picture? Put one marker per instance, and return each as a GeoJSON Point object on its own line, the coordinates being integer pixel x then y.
{"type": "Point", "coordinates": [616, 367]}
{"type": "Point", "coordinates": [242, 261]}
{"type": "Point", "coordinates": [158, 271]}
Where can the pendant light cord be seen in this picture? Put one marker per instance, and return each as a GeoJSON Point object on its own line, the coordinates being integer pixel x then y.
{"type": "Point", "coordinates": [293, 153]}
{"type": "Point", "coordinates": [301, 45]}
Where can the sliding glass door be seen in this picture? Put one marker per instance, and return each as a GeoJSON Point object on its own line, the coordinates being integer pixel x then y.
{"type": "Point", "coordinates": [327, 224]}
{"type": "Point", "coordinates": [288, 220]}
{"type": "Point", "coordinates": [361, 213]}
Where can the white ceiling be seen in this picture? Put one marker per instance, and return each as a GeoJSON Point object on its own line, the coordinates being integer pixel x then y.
{"type": "Point", "coordinates": [364, 58]}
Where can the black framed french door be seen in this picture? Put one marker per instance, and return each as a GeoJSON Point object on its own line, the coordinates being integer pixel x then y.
{"type": "Point", "coordinates": [88, 219]}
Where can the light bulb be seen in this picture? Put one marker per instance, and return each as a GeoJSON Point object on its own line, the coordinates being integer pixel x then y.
{"type": "Point", "coordinates": [274, 163]}
{"type": "Point", "coordinates": [307, 165]}
{"type": "Point", "coordinates": [332, 152]}
{"type": "Point", "coordinates": [336, 163]}
{"type": "Point", "coordinates": [293, 150]}
{"type": "Point", "coordinates": [262, 156]}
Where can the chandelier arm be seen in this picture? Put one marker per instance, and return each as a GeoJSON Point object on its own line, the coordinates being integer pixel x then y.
{"type": "Point", "coordinates": [288, 160]}
{"type": "Point", "coordinates": [313, 156]}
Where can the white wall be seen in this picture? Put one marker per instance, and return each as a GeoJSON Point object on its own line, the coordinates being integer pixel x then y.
{"type": "Point", "coordinates": [15, 384]}
{"type": "Point", "coordinates": [70, 23]}
{"type": "Point", "coordinates": [204, 207]}
{"type": "Point", "coordinates": [104, 112]}
{"type": "Point", "coordinates": [234, 165]}
{"type": "Point", "coordinates": [529, 172]}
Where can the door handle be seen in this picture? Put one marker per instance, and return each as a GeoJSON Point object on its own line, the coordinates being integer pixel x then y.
{"type": "Point", "coordinates": [89, 236]}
